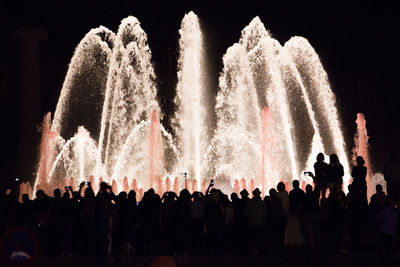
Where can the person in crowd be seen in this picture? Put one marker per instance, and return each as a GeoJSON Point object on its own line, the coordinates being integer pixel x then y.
{"type": "Point", "coordinates": [294, 234]}
{"type": "Point", "coordinates": [55, 223]}
{"type": "Point", "coordinates": [168, 222]}
{"type": "Point", "coordinates": [86, 219]}
{"type": "Point", "coordinates": [183, 221]}
{"type": "Point", "coordinates": [335, 171]}
{"type": "Point", "coordinates": [132, 219]}
{"type": "Point", "coordinates": [104, 201]}
{"type": "Point", "coordinates": [256, 215]}
{"type": "Point", "coordinates": [67, 222]}
{"type": "Point", "coordinates": [296, 197]}
{"type": "Point", "coordinates": [309, 216]}
{"type": "Point", "coordinates": [277, 220]}
{"type": "Point", "coordinates": [359, 173]}
{"type": "Point", "coordinates": [149, 208]}
{"type": "Point", "coordinates": [196, 209]}
{"type": "Point", "coordinates": [214, 221]}
{"type": "Point", "coordinates": [284, 196]}
{"type": "Point", "coordinates": [376, 205]}
{"type": "Point", "coordinates": [40, 211]}
{"type": "Point", "coordinates": [241, 222]}
{"type": "Point", "coordinates": [378, 199]}
{"type": "Point", "coordinates": [336, 206]}
{"type": "Point", "coordinates": [321, 174]}
{"type": "Point", "coordinates": [357, 207]}
{"type": "Point", "coordinates": [228, 228]}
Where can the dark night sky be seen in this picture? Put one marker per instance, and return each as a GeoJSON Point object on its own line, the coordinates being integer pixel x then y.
{"type": "Point", "coordinates": [351, 37]}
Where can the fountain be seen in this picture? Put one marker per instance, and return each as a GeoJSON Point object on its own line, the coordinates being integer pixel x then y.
{"type": "Point", "coordinates": [274, 113]}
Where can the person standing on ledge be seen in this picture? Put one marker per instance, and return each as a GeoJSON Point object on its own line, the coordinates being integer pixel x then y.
{"type": "Point", "coordinates": [321, 175]}
{"type": "Point", "coordinates": [335, 171]}
{"type": "Point", "coordinates": [359, 172]}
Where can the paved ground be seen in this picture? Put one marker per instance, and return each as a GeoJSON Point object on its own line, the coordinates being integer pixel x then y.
{"type": "Point", "coordinates": [294, 257]}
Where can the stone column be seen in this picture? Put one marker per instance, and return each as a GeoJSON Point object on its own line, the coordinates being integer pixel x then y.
{"type": "Point", "coordinates": [29, 116]}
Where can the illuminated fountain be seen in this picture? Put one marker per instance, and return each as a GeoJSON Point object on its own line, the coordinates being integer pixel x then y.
{"type": "Point", "coordinates": [274, 108]}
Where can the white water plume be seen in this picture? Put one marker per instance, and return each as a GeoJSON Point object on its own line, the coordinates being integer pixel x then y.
{"type": "Point", "coordinates": [275, 111]}
{"type": "Point", "coordinates": [131, 92]}
{"type": "Point", "coordinates": [191, 117]}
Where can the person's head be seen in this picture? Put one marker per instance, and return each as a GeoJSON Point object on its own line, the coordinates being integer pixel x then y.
{"type": "Point", "coordinates": [379, 188]}
{"type": "Point", "coordinates": [308, 188]}
{"type": "Point", "coordinates": [151, 192]}
{"type": "Point", "coordinates": [272, 192]}
{"type": "Point", "coordinates": [281, 187]}
{"type": "Point", "coordinates": [234, 196]}
{"type": "Point", "coordinates": [296, 184]}
{"type": "Point", "coordinates": [320, 157]}
{"type": "Point", "coordinates": [66, 195]}
{"type": "Point", "coordinates": [214, 195]}
{"type": "Point", "coordinates": [244, 194]}
{"type": "Point", "coordinates": [196, 195]}
{"type": "Point", "coordinates": [185, 195]}
{"type": "Point", "coordinates": [40, 193]}
{"type": "Point", "coordinates": [89, 192]}
{"type": "Point", "coordinates": [132, 195]}
{"type": "Point", "coordinates": [103, 186]}
{"type": "Point", "coordinates": [360, 160]}
{"type": "Point", "coordinates": [333, 159]}
{"type": "Point", "coordinates": [168, 197]}
{"type": "Point", "coordinates": [57, 193]}
{"type": "Point", "coordinates": [256, 192]}
{"type": "Point", "coordinates": [25, 198]}
{"type": "Point", "coordinates": [122, 195]}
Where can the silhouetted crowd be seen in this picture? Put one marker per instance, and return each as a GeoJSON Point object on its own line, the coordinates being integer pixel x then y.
{"type": "Point", "coordinates": [322, 217]}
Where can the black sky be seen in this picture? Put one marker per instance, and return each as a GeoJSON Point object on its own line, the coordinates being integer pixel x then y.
{"type": "Point", "coordinates": [362, 31]}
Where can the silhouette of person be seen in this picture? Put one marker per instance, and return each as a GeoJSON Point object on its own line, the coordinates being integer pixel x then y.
{"type": "Point", "coordinates": [241, 221]}
{"type": "Point", "coordinates": [310, 216]}
{"type": "Point", "coordinates": [196, 208]}
{"type": "Point", "coordinates": [357, 214]}
{"type": "Point", "coordinates": [359, 172]}
{"type": "Point", "coordinates": [321, 175]}
{"type": "Point", "coordinates": [278, 220]}
{"type": "Point", "coordinates": [336, 204]}
{"type": "Point", "coordinates": [214, 221]}
{"type": "Point", "coordinates": [284, 196]}
{"type": "Point", "coordinates": [296, 197]}
{"type": "Point", "coordinates": [335, 171]}
{"type": "Point", "coordinates": [378, 199]}
{"type": "Point", "coordinates": [256, 215]}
